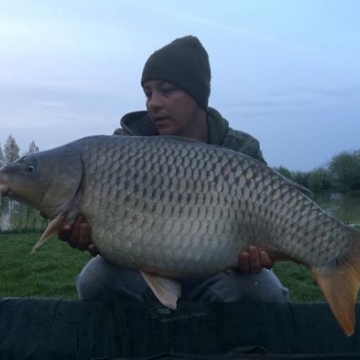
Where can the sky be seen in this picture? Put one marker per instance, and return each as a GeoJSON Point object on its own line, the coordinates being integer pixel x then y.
{"type": "Point", "coordinates": [287, 72]}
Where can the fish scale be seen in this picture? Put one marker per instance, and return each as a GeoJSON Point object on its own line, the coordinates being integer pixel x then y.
{"type": "Point", "coordinates": [173, 208]}
{"type": "Point", "coordinates": [208, 170]}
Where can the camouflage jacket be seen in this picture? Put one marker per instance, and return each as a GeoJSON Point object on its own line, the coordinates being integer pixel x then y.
{"type": "Point", "coordinates": [220, 133]}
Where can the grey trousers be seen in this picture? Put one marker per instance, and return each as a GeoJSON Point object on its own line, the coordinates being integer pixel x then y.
{"type": "Point", "coordinates": [99, 279]}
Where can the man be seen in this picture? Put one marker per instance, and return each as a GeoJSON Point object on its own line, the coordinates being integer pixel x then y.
{"type": "Point", "coordinates": [176, 83]}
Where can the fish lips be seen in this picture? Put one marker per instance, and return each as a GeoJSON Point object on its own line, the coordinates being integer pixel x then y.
{"type": "Point", "coordinates": [4, 189]}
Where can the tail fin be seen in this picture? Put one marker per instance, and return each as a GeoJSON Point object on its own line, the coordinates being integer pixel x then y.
{"type": "Point", "coordinates": [341, 284]}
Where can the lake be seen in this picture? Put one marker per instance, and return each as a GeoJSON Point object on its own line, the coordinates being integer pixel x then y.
{"type": "Point", "coordinates": [345, 207]}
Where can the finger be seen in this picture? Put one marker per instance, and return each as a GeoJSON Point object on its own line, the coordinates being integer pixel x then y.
{"type": "Point", "coordinates": [83, 237]}
{"type": "Point", "coordinates": [93, 250]}
{"type": "Point", "coordinates": [64, 232]}
{"type": "Point", "coordinates": [265, 260]}
{"type": "Point", "coordinates": [243, 262]}
{"type": "Point", "coordinates": [254, 260]}
{"type": "Point", "coordinates": [73, 238]}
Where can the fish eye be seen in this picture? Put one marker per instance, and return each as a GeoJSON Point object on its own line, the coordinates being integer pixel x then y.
{"type": "Point", "coordinates": [30, 168]}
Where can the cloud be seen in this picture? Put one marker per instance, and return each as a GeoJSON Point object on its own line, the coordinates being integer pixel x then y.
{"type": "Point", "coordinates": [248, 33]}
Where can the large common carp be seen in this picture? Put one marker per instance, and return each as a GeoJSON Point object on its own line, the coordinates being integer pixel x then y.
{"type": "Point", "coordinates": [174, 208]}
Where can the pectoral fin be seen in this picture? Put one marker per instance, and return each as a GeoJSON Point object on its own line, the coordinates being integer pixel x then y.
{"type": "Point", "coordinates": [53, 227]}
{"type": "Point", "coordinates": [166, 290]}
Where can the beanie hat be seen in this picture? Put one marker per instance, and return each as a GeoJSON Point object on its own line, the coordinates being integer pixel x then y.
{"type": "Point", "coordinates": [183, 63]}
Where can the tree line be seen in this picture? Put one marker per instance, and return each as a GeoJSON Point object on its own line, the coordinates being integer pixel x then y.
{"type": "Point", "coordinates": [340, 174]}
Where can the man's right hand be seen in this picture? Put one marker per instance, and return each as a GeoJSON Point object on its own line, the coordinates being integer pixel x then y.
{"type": "Point", "coordinates": [78, 236]}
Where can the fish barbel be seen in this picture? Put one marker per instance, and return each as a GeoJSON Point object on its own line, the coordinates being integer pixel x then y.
{"type": "Point", "coordinates": [173, 208]}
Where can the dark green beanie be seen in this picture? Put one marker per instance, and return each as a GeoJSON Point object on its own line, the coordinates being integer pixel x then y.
{"type": "Point", "coordinates": [183, 63]}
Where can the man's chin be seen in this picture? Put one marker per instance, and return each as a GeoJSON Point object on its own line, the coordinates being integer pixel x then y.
{"type": "Point", "coordinates": [164, 129]}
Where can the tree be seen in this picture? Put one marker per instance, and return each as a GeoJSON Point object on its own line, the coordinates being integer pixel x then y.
{"type": "Point", "coordinates": [33, 148]}
{"type": "Point", "coordinates": [11, 150]}
{"type": "Point", "coordinates": [301, 178]}
{"type": "Point", "coordinates": [284, 171]}
{"type": "Point", "coordinates": [2, 157]}
{"type": "Point", "coordinates": [319, 179]}
{"type": "Point", "coordinates": [345, 170]}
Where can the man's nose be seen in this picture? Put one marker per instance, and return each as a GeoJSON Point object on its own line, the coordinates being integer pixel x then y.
{"type": "Point", "coordinates": [155, 100]}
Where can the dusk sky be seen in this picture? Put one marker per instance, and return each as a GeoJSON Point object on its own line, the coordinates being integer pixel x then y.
{"type": "Point", "coordinates": [287, 72]}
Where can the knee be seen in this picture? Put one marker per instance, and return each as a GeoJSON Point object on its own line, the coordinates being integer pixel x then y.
{"type": "Point", "coordinates": [100, 279]}
{"type": "Point", "coordinates": [91, 281]}
{"type": "Point", "coordinates": [263, 287]}
{"type": "Point", "coordinates": [271, 288]}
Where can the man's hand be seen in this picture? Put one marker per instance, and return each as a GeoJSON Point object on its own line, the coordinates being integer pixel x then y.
{"type": "Point", "coordinates": [78, 236]}
{"type": "Point", "coordinates": [252, 260]}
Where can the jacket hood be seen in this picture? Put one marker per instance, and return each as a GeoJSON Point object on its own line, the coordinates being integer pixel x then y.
{"type": "Point", "coordinates": [138, 123]}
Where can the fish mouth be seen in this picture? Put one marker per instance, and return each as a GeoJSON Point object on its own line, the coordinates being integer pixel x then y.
{"type": "Point", "coordinates": [4, 190]}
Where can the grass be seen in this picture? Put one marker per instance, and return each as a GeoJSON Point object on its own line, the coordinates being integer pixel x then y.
{"type": "Point", "coordinates": [52, 270]}
{"type": "Point", "coordinates": [48, 273]}
{"type": "Point", "coordinates": [298, 279]}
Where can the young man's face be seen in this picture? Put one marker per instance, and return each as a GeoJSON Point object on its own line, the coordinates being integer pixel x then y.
{"type": "Point", "coordinates": [171, 109]}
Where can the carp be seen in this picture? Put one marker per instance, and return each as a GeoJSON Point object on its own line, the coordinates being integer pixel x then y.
{"type": "Point", "coordinates": [174, 208]}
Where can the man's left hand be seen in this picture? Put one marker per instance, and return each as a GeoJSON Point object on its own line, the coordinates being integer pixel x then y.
{"type": "Point", "coordinates": [252, 260]}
